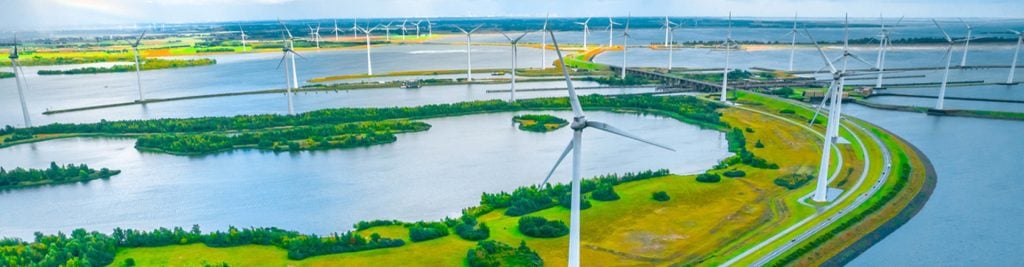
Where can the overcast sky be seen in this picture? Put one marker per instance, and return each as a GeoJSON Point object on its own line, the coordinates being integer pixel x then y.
{"type": "Point", "coordinates": [39, 14]}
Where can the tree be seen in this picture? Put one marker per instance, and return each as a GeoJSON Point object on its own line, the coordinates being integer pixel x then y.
{"type": "Point", "coordinates": [660, 196]}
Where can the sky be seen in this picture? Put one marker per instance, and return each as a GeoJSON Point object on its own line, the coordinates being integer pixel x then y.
{"type": "Point", "coordinates": [49, 14]}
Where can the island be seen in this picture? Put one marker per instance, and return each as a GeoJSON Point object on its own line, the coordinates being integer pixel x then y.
{"type": "Point", "coordinates": [55, 174]}
{"type": "Point", "coordinates": [539, 122]}
{"type": "Point", "coordinates": [147, 64]}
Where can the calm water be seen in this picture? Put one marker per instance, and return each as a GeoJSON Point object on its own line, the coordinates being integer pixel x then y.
{"type": "Point", "coordinates": [326, 191]}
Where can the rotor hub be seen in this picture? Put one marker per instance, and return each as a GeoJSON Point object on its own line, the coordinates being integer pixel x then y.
{"type": "Point", "coordinates": [578, 123]}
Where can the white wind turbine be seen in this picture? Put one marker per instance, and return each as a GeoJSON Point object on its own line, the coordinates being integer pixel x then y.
{"type": "Point", "coordinates": [792, 43]}
{"type": "Point", "coordinates": [580, 123]}
{"type": "Point", "coordinates": [586, 31]}
{"type": "Point", "coordinates": [884, 42]}
{"type": "Point", "coordinates": [387, 30]}
{"type": "Point", "coordinates": [833, 96]}
{"type": "Point", "coordinates": [611, 31]}
{"type": "Point", "coordinates": [1016, 52]}
{"type": "Point", "coordinates": [288, 58]}
{"type": "Point", "coordinates": [430, 28]}
{"type": "Point", "coordinates": [138, 65]}
{"type": "Point", "coordinates": [727, 44]}
{"type": "Point", "coordinates": [939, 103]}
{"type": "Point", "coordinates": [469, 50]}
{"type": "Point", "coordinates": [667, 25]}
{"type": "Point", "coordinates": [417, 24]}
{"type": "Point", "coordinates": [625, 46]}
{"type": "Point", "coordinates": [404, 29]}
{"type": "Point", "coordinates": [369, 61]}
{"type": "Point", "coordinates": [515, 61]}
{"type": "Point", "coordinates": [314, 33]}
{"type": "Point", "coordinates": [336, 31]}
{"type": "Point", "coordinates": [355, 28]}
{"type": "Point", "coordinates": [242, 32]}
{"type": "Point", "coordinates": [19, 78]}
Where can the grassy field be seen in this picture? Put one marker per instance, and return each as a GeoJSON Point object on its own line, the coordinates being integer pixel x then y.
{"type": "Point", "coordinates": [696, 224]}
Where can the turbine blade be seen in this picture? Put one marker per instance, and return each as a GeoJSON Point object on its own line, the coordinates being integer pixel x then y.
{"type": "Point", "coordinates": [948, 39]}
{"type": "Point", "coordinates": [477, 28]}
{"type": "Point", "coordinates": [611, 129]}
{"type": "Point", "coordinates": [297, 54]}
{"type": "Point", "coordinates": [577, 110]}
{"type": "Point", "coordinates": [279, 63]}
{"type": "Point", "coordinates": [506, 36]}
{"type": "Point", "coordinates": [139, 40]}
{"type": "Point", "coordinates": [456, 26]}
{"type": "Point", "coordinates": [824, 98]}
{"type": "Point", "coordinates": [821, 52]}
{"type": "Point", "coordinates": [568, 149]}
{"type": "Point", "coordinates": [861, 60]}
{"type": "Point", "coordinates": [520, 37]}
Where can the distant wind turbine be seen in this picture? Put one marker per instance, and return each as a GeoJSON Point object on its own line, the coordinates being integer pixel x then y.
{"type": "Point", "coordinates": [967, 43]}
{"type": "Point", "coordinates": [336, 30]}
{"type": "Point", "coordinates": [515, 61]}
{"type": "Point", "coordinates": [671, 43]}
{"type": "Point", "coordinates": [544, 44]}
{"type": "Point", "coordinates": [469, 50]}
{"type": "Point", "coordinates": [288, 58]}
{"type": "Point", "coordinates": [417, 24]}
{"type": "Point", "coordinates": [430, 28]}
{"type": "Point", "coordinates": [667, 25]}
{"type": "Point", "coordinates": [355, 28]}
{"type": "Point", "coordinates": [884, 43]}
{"type": "Point", "coordinates": [792, 43]}
{"type": "Point", "coordinates": [728, 44]}
{"type": "Point", "coordinates": [19, 77]}
{"type": "Point", "coordinates": [314, 33]}
{"type": "Point", "coordinates": [242, 32]}
{"type": "Point", "coordinates": [1016, 52]}
{"type": "Point", "coordinates": [611, 30]}
{"type": "Point", "coordinates": [387, 30]}
{"type": "Point", "coordinates": [625, 46]}
{"type": "Point", "coordinates": [575, 146]}
{"type": "Point", "coordinates": [940, 102]}
{"type": "Point", "coordinates": [586, 31]}
{"type": "Point", "coordinates": [369, 61]}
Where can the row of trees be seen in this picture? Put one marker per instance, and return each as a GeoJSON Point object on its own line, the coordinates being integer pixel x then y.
{"type": "Point", "coordinates": [96, 249]}
{"type": "Point", "coordinates": [148, 64]}
{"type": "Point", "coordinates": [525, 200]}
{"type": "Point", "coordinates": [55, 174]}
{"type": "Point", "coordinates": [681, 107]}
{"type": "Point", "coordinates": [738, 145]}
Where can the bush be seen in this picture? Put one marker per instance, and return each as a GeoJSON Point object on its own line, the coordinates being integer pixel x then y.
{"type": "Point", "coordinates": [468, 229]}
{"type": "Point", "coordinates": [539, 227]}
{"type": "Point", "coordinates": [750, 130]}
{"type": "Point", "coordinates": [708, 178]}
{"type": "Point", "coordinates": [759, 144]}
{"type": "Point", "coordinates": [787, 111]}
{"type": "Point", "coordinates": [660, 196]}
{"type": "Point", "coordinates": [793, 181]}
{"type": "Point", "coordinates": [734, 173]}
{"type": "Point", "coordinates": [605, 193]}
{"type": "Point", "coordinates": [566, 201]}
{"type": "Point", "coordinates": [493, 253]}
{"type": "Point", "coordinates": [784, 91]}
{"type": "Point", "coordinates": [422, 231]}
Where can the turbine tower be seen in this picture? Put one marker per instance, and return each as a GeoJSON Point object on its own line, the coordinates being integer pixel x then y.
{"type": "Point", "coordinates": [792, 43]}
{"type": "Point", "coordinates": [138, 66]}
{"type": "Point", "coordinates": [671, 44]}
{"type": "Point", "coordinates": [611, 31]}
{"type": "Point", "coordinates": [355, 28]}
{"type": "Point", "coordinates": [417, 23]}
{"type": "Point", "coordinates": [242, 32]}
{"type": "Point", "coordinates": [939, 103]}
{"type": "Point", "coordinates": [728, 43]}
{"type": "Point", "coordinates": [586, 31]}
{"type": "Point", "coordinates": [625, 46]}
{"type": "Point", "coordinates": [667, 25]}
{"type": "Point", "coordinates": [430, 28]}
{"type": "Point", "coordinates": [575, 146]}
{"type": "Point", "coordinates": [469, 50]}
{"type": "Point", "coordinates": [288, 58]}
{"type": "Point", "coordinates": [369, 61]}
{"type": "Point", "coordinates": [1016, 52]}
{"type": "Point", "coordinates": [19, 76]}
{"type": "Point", "coordinates": [404, 29]}
{"type": "Point", "coordinates": [387, 30]}
{"type": "Point", "coordinates": [884, 42]}
{"type": "Point", "coordinates": [315, 34]}
{"type": "Point", "coordinates": [515, 62]}
{"type": "Point", "coordinates": [967, 43]}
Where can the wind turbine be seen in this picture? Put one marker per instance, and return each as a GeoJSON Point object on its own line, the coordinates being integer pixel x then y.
{"type": "Point", "coordinates": [586, 31]}
{"type": "Point", "coordinates": [355, 28]}
{"type": "Point", "coordinates": [625, 46]}
{"type": "Point", "coordinates": [315, 34]}
{"type": "Point", "coordinates": [417, 23]}
{"type": "Point", "coordinates": [430, 28]}
{"type": "Point", "coordinates": [945, 75]}
{"type": "Point", "coordinates": [138, 66]}
{"type": "Point", "coordinates": [18, 76]}
{"type": "Point", "coordinates": [792, 43]}
{"type": "Point", "coordinates": [404, 28]}
{"type": "Point", "coordinates": [833, 95]}
{"type": "Point", "coordinates": [575, 146]}
{"type": "Point", "coordinates": [291, 77]}
{"type": "Point", "coordinates": [728, 43]}
{"type": "Point", "coordinates": [967, 43]}
{"type": "Point", "coordinates": [469, 50]}
{"type": "Point", "coordinates": [884, 42]}
{"type": "Point", "coordinates": [1016, 52]}
{"type": "Point", "coordinates": [369, 62]}
{"type": "Point", "coordinates": [611, 30]}
{"type": "Point", "coordinates": [667, 25]}
{"type": "Point", "coordinates": [336, 30]}
{"type": "Point", "coordinates": [515, 62]}
{"type": "Point", "coordinates": [544, 44]}
{"type": "Point", "coordinates": [242, 32]}
{"type": "Point", "coordinates": [387, 30]}
{"type": "Point", "coordinates": [671, 43]}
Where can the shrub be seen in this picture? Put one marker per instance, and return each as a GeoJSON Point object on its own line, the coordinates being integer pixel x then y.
{"type": "Point", "coordinates": [793, 181]}
{"type": "Point", "coordinates": [566, 201]}
{"type": "Point", "coordinates": [750, 130]}
{"type": "Point", "coordinates": [605, 193]}
{"type": "Point", "coordinates": [759, 144]}
{"type": "Point", "coordinates": [708, 178]}
{"type": "Point", "coordinates": [539, 227]}
{"type": "Point", "coordinates": [734, 173]}
{"type": "Point", "coordinates": [493, 253]}
{"type": "Point", "coordinates": [787, 111]}
{"type": "Point", "coordinates": [422, 231]}
{"type": "Point", "coordinates": [660, 196]}
{"type": "Point", "coordinates": [468, 229]}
